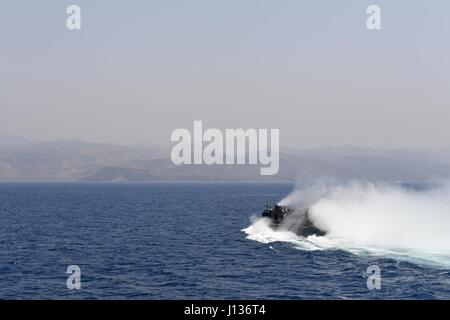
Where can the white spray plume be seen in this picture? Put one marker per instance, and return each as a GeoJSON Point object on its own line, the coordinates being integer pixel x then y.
{"type": "Point", "coordinates": [380, 215]}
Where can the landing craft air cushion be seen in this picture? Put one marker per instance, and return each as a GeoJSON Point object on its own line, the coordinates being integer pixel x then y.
{"type": "Point", "coordinates": [294, 220]}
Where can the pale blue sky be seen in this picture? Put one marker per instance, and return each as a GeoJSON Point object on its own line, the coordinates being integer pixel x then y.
{"type": "Point", "coordinates": [139, 69]}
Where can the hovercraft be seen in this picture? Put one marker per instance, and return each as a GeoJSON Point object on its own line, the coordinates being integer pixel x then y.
{"type": "Point", "coordinates": [294, 220]}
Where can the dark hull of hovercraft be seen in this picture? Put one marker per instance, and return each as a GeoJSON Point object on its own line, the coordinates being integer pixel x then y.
{"type": "Point", "coordinates": [297, 221]}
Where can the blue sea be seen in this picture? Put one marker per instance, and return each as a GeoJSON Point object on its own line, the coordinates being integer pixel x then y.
{"type": "Point", "coordinates": [178, 241]}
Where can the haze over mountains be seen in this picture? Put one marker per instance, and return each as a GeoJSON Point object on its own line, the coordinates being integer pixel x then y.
{"type": "Point", "coordinates": [74, 160]}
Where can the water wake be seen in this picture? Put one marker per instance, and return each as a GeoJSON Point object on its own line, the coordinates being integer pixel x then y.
{"type": "Point", "coordinates": [373, 219]}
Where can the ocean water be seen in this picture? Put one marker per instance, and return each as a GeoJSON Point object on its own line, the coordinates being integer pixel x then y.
{"type": "Point", "coordinates": [180, 241]}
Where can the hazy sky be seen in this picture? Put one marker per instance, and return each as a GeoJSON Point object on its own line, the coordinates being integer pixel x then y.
{"type": "Point", "coordinates": [140, 69]}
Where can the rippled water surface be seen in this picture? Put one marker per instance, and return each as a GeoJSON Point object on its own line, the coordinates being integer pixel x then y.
{"type": "Point", "coordinates": [177, 241]}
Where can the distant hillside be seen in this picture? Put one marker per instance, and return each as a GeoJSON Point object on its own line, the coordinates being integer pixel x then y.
{"type": "Point", "coordinates": [66, 160]}
{"type": "Point", "coordinates": [120, 174]}
{"type": "Point", "coordinates": [74, 160]}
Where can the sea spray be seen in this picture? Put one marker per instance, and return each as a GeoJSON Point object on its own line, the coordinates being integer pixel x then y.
{"type": "Point", "coordinates": [370, 218]}
{"type": "Point", "coordinates": [388, 216]}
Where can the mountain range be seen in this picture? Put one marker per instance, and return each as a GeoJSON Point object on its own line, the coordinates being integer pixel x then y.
{"type": "Point", "coordinates": [74, 160]}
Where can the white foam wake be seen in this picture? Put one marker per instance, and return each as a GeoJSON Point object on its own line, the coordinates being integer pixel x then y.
{"type": "Point", "coordinates": [366, 218]}
{"type": "Point", "coordinates": [261, 231]}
